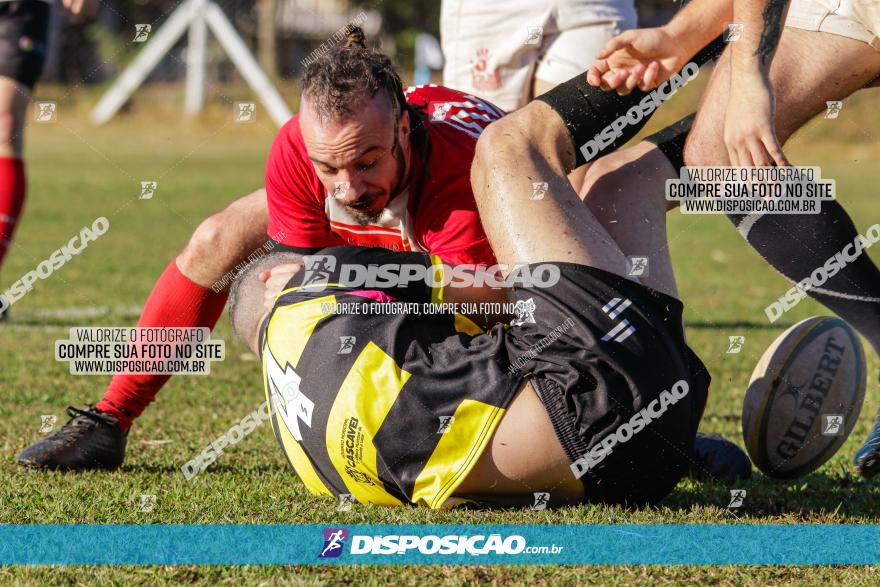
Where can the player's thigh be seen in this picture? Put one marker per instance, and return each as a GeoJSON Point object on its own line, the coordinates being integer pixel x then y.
{"type": "Point", "coordinates": [488, 48]}
{"type": "Point", "coordinates": [14, 98]}
{"type": "Point", "coordinates": [626, 192]}
{"type": "Point", "coordinates": [225, 239]}
{"type": "Point", "coordinates": [836, 67]}
{"type": "Point", "coordinates": [809, 69]}
{"type": "Point", "coordinates": [527, 206]}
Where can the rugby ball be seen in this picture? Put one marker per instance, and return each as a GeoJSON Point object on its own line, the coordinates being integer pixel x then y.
{"type": "Point", "coordinates": [804, 397]}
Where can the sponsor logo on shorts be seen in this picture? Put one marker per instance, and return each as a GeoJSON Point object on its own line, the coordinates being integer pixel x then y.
{"type": "Point", "coordinates": [352, 449]}
{"type": "Point", "coordinates": [483, 75]}
{"type": "Point", "coordinates": [623, 329]}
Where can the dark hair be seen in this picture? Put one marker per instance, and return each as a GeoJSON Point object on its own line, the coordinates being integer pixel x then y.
{"type": "Point", "coordinates": [246, 293]}
{"type": "Point", "coordinates": [338, 81]}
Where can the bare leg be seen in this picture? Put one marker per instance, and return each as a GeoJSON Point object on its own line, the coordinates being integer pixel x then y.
{"type": "Point", "coordinates": [809, 69]}
{"type": "Point", "coordinates": [576, 177]}
{"type": "Point", "coordinates": [532, 145]}
{"type": "Point", "coordinates": [225, 239]}
{"type": "Point", "coordinates": [14, 99]}
{"type": "Point", "coordinates": [527, 146]}
{"type": "Point", "coordinates": [625, 191]}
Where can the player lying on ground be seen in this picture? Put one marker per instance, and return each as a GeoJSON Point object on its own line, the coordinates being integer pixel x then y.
{"type": "Point", "coordinates": [404, 186]}
{"type": "Point", "coordinates": [593, 397]}
{"type": "Point", "coordinates": [407, 169]}
{"type": "Point", "coordinates": [428, 409]}
{"type": "Point", "coordinates": [409, 413]}
{"type": "Point", "coordinates": [826, 52]}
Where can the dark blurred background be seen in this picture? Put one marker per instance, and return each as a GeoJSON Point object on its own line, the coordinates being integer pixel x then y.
{"type": "Point", "coordinates": [280, 32]}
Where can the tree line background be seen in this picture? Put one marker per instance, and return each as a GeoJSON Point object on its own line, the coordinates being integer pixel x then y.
{"type": "Point", "coordinates": [97, 51]}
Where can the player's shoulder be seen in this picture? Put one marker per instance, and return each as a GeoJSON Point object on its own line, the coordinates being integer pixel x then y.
{"type": "Point", "coordinates": [290, 133]}
{"type": "Point", "coordinates": [288, 145]}
{"type": "Point", "coordinates": [446, 107]}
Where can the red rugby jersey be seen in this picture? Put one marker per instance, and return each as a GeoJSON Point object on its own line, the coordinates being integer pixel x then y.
{"type": "Point", "coordinates": [436, 216]}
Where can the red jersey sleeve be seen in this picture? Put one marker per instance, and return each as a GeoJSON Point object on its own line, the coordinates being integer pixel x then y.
{"type": "Point", "coordinates": [447, 223]}
{"type": "Point", "coordinates": [295, 195]}
{"type": "Point", "coordinates": [451, 227]}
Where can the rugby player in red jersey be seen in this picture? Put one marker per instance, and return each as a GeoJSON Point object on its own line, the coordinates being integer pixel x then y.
{"type": "Point", "coordinates": [403, 157]}
{"type": "Point", "coordinates": [364, 163]}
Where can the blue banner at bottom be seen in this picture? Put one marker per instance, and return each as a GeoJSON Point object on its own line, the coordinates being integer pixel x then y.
{"type": "Point", "coordinates": [439, 544]}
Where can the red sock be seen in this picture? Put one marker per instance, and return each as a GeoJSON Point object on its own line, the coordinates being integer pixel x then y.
{"type": "Point", "coordinates": [12, 192]}
{"type": "Point", "coordinates": [175, 301]}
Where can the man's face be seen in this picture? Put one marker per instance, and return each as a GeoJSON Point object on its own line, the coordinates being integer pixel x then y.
{"type": "Point", "coordinates": [356, 160]}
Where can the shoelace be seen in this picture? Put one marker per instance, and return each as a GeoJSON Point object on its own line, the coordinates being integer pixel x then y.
{"type": "Point", "coordinates": [75, 413]}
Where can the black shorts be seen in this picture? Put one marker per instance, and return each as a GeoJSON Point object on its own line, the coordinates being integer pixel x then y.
{"type": "Point", "coordinates": [605, 354]}
{"type": "Point", "coordinates": [24, 26]}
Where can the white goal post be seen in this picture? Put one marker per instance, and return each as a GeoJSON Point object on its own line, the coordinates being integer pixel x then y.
{"type": "Point", "coordinates": [196, 17]}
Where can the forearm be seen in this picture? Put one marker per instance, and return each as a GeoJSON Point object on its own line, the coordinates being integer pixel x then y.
{"type": "Point", "coordinates": [699, 22]}
{"type": "Point", "coordinates": [763, 21]}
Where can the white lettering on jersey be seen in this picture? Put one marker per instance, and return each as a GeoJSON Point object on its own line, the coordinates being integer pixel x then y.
{"type": "Point", "coordinates": [287, 398]}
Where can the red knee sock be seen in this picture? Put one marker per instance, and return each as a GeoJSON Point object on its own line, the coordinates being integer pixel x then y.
{"type": "Point", "coordinates": [175, 301]}
{"type": "Point", "coordinates": [12, 192]}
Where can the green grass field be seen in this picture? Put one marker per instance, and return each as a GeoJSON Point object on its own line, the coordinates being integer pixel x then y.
{"type": "Point", "coordinates": [79, 172]}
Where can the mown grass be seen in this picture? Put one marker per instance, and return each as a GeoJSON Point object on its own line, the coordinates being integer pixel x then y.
{"type": "Point", "coordinates": [79, 172]}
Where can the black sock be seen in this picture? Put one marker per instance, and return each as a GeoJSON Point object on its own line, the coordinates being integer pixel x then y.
{"type": "Point", "coordinates": [796, 244]}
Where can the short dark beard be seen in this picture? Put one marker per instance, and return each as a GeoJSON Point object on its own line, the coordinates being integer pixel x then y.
{"type": "Point", "coordinates": [367, 218]}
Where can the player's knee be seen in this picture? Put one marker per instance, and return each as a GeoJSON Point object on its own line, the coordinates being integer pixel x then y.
{"type": "Point", "coordinates": [602, 174]}
{"type": "Point", "coordinates": [8, 128]}
{"type": "Point", "coordinates": [208, 244]}
{"type": "Point", "coordinates": [705, 146]}
{"type": "Point", "coordinates": [697, 153]}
